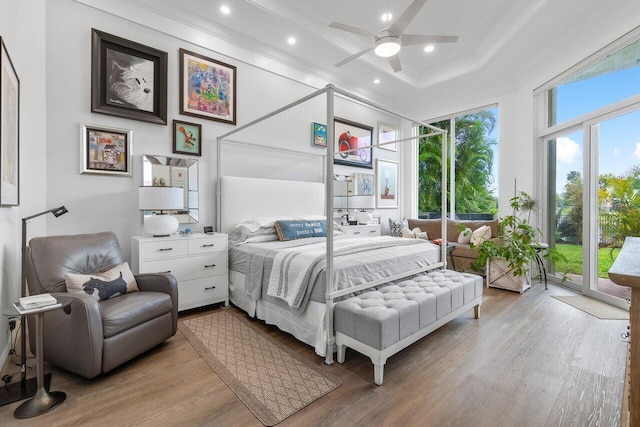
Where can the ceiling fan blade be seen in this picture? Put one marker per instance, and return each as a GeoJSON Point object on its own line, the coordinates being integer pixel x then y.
{"type": "Point", "coordinates": [407, 16]}
{"type": "Point", "coordinates": [354, 56]}
{"type": "Point", "coordinates": [351, 29]}
{"type": "Point", "coordinates": [413, 39]}
{"type": "Point", "coordinates": [395, 63]}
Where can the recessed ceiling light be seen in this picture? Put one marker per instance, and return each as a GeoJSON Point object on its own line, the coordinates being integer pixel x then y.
{"type": "Point", "coordinates": [377, 81]}
{"type": "Point", "coordinates": [291, 40]}
{"type": "Point", "coordinates": [225, 9]}
{"type": "Point", "coordinates": [386, 17]}
{"type": "Point", "coordinates": [429, 48]}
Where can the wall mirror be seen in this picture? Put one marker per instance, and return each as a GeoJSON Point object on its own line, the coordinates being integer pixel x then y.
{"type": "Point", "coordinates": [174, 172]}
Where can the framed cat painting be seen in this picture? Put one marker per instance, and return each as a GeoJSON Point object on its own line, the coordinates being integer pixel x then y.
{"type": "Point", "coordinates": [128, 79]}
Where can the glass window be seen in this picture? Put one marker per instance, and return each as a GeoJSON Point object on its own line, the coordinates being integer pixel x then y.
{"type": "Point", "coordinates": [612, 79]}
{"type": "Point", "coordinates": [476, 171]}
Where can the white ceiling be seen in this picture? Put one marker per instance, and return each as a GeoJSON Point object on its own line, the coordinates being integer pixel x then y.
{"type": "Point", "coordinates": [507, 35]}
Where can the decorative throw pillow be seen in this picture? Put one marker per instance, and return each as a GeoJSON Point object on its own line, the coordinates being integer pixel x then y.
{"type": "Point", "coordinates": [420, 234]}
{"type": "Point", "coordinates": [416, 233]}
{"type": "Point", "coordinates": [299, 229]}
{"type": "Point", "coordinates": [109, 284]}
{"type": "Point", "coordinates": [480, 234]}
{"type": "Point", "coordinates": [395, 228]}
{"type": "Point", "coordinates": [465, 236]}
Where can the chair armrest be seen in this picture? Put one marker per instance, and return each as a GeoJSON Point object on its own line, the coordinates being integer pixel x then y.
{"type": "Point", "coordinates": [161, 282]}
{"type": "Point", "coordinates": [73, 341]}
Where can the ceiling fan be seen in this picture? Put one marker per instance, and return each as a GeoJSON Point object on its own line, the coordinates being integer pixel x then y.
{"type": "Point", "coordinates": [387, 43]}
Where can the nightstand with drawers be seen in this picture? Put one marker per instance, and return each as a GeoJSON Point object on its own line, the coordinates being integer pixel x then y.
{"type": "Point", "coordinates": [362, 230]}
{"type": "Point", "coordinates": [198, 261]}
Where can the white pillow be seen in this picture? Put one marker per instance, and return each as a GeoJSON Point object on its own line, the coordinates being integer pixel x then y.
{"type": "Point", "coordinates": [416, 233]}
{"type": "Point", "coordinates": [420, 234]}
{"type": "Point", "coordinates": [465, 236]}
{"type": "Point", "coordinates": [109, 284]}
{"type": "Point", "coordinates": [480, 234]}
{"type": "Point", "coordinates": [406, 233]}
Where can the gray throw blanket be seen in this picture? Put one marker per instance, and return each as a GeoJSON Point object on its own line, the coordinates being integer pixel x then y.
{"type": "Point", "coordinates": [295, 269]}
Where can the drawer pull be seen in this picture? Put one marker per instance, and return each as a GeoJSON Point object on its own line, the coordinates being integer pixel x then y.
{"type": "Point", "coordinates": [208, 246]}
{"type": "Point", "coordinates": [372, 231]}
{"type": "Point", "coordinates": [356, 232]}
{"type": "Point", "coordinates": [209, 266]}
{"type": "Point", "coordinates": [209, 288]}
{"type": "Point", "coordinates": [165, 249]}
{"type": "Point", "coordinates": [165, 272]}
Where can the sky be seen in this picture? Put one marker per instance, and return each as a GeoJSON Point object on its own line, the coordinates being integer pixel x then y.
{"type": "Point", "coordinates": [619, 148]}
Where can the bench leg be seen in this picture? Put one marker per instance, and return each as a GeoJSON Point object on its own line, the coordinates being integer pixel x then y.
{"type": "Point", "coordinates": [341, 349]}
{"type": "Point", "coordinates": [476, 311]}
{"type": "Point", "coordinates": [378, 372]}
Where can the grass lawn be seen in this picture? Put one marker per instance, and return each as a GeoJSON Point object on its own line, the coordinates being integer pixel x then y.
{"type": "Point", "coordinates": [573, 264]}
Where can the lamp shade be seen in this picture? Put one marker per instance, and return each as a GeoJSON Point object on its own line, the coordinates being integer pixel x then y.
{"type": "Point", "coordinates": [362, 202]}
{"type": "Point", "coordinates": [160, 198]}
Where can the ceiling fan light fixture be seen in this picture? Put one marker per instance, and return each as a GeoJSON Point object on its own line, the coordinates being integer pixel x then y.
{"type": "Point", "coordinates": [387, 45]}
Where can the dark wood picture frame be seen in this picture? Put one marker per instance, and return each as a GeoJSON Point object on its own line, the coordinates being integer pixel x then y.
{"type": "Point", "coordinates": [9, 130]}
{"type": "Point", "coordinates": [353, 136]}
{"type": "Point", "coordinates": [187, 138]}
{"type": "Point", "coordinates": [121, 71]}
{"type": "Point", "coordinates": [207, 88]}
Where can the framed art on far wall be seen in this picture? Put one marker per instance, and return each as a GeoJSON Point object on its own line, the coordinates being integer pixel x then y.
{"type": "Point", "coordinates": [187, 138]}
{"type": "Point", "coordinates": [207, 88]}
{"type": "Point", "coordinates": [319, 137]}
{"type": "Point", "coordinates": [387, 133]}
{"type": "Point", "coordinates": [9, 130]}
{"type": "Point", "coordinates": [106, 150]}
{"type": "Point", "coordinates": [128, 79]}
{"type": "Point", "coordinates": [353, 144]}
{"type": "Point", "coordinates": [386, 184]}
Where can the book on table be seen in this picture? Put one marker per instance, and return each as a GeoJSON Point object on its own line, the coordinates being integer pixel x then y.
{"type": "Point", "coordinates": [37, 301]}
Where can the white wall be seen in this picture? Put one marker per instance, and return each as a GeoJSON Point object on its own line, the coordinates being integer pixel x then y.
{"type": "Point", "coordinates": [26, 46]}
{"type": "Point", "coordinates": [514, 95]}
{"type": "Point", "coordinates": [98, 202]}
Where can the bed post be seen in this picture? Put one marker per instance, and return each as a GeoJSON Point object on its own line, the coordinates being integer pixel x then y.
{"type": "Point", "coordinates": [328, 315]}
{"type": "Point", "coordinates": [443, 201]}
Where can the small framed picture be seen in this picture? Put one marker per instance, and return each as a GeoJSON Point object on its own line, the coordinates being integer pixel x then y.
{"type": "Point", "coordinates": [207, 88]}
{"type": "Point", "coordinates": [319, 138]}
{"type": "Point", "coordinates": [128, 79]}
{"type": "Point", "coordinates": [187, 138]}
{"type": "Point", "coordinates": [106, 150]}
{"type": "Point", "coordinates": [386, 184]}
{"type": "Point", "coordinates": [387, 133]}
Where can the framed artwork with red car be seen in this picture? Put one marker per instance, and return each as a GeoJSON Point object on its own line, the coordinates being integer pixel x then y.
{"type": "Point", "coordinates": [353, 144]}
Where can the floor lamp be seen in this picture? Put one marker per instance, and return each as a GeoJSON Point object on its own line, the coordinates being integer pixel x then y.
{"type": "Point", "coordinates": [27, 388]}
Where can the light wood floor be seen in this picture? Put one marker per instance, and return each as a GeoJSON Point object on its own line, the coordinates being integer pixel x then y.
{"type": "Point", "coordinates": [530, 360]}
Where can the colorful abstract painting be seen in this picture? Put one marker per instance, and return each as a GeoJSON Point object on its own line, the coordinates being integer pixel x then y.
{"type": "Point", "coordinates": [207, 88]}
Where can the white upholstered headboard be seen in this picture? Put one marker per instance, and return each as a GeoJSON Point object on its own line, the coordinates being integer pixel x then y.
{"type": "Point", "coordinates": [246, 198]}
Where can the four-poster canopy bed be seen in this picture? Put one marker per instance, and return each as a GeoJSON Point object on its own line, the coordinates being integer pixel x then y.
{"type": "Point", "coordinates": [240, 200]}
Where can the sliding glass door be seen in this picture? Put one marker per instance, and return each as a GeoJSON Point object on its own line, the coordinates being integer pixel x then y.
{"type": "Point", "coordinates": [594, 199]}
{"type": "Point", "coordinates": [616, 142]}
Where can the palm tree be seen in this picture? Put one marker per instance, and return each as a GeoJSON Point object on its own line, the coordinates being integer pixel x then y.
{"type": "Point", "coordinates": [473, 163]}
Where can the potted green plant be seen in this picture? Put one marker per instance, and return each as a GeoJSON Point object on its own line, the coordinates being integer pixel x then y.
{"type": "Point", "coordinates": [507, 257]}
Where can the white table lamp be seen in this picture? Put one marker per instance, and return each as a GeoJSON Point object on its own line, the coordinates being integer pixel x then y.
{"type": "Point", "coordinates": [160, 199]}
{"type": "Point", "coordinates": [362, 203]}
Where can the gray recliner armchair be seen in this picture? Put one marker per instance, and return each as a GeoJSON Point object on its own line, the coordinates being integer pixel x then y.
{"type": "Point", "coordinates": [97, 336]}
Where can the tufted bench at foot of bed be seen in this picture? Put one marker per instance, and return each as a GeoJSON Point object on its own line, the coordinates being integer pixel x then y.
{"type": "Point", "coordinates": [380, 323]}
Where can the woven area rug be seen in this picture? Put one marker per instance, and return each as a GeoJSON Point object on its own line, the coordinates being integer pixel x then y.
{"type": "Point", "coordinates": [272, 381]}
{"type": "Point", "coordinates": [594, 307]}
